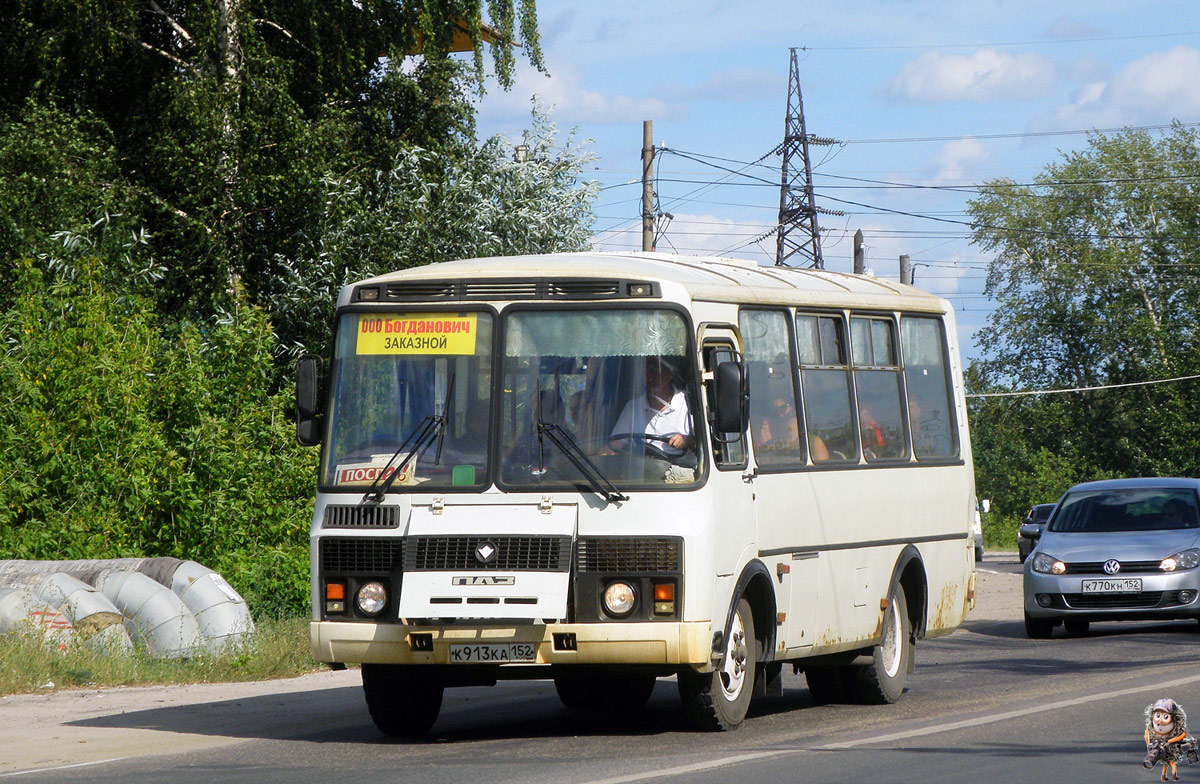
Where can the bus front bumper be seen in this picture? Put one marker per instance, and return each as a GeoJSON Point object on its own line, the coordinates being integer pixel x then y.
{"type": "Point", "coordinates": [672, 643]}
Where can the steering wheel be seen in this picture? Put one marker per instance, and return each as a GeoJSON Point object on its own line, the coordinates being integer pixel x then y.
{"type": "Point", "coordinates": [646, 441]}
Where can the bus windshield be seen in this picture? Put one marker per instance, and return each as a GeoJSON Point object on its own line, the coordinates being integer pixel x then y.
{"type": "Point", "coordinates": [616, 384]}
{"type": "Point", "coordinates": [392, 373]}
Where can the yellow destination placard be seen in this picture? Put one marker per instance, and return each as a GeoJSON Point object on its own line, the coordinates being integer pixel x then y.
{"type": "Point", "coordinates": [425, 333]}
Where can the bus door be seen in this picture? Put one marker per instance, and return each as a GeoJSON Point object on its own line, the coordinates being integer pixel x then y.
{"type": "Point", "coordinates": [788, 526]}
{"type": "Point", "coordinates": [731, 483]}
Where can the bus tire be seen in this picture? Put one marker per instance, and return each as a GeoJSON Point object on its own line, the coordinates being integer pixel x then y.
{"type": "Point", "coordinates": [826, 685]}
{"type": "Point", "coordinates": [882, 681]}
{"type": "Point", "coordinates": [604, 693]}
{"type": "Point", "coordinates": [403, 701]}
{"type": "Point", "coordinates": [718, 700]}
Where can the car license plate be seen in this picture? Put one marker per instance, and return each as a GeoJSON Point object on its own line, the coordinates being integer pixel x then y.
{"type": "Point", "coordinates": [493, 652]}
{"type": "Point", "coordinates": [1121, 585]}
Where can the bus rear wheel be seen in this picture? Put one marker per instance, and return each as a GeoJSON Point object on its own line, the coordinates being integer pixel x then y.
{"type": "Point", "coordinates": [718, 700]}
{"type": "Point", "coordinates": [882, 681]}
{"type": "Point", "coordinates": [403, 701]}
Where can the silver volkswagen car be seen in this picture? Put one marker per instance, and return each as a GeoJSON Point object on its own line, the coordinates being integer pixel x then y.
{"type": "Point", "coordinates": [1122, 549]}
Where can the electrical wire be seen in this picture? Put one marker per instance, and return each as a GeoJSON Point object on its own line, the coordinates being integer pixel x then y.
{"type": "Point", "coordinates": [1029, 392]}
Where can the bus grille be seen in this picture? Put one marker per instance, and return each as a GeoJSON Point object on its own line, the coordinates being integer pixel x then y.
{"type": "Point", "coordinates": [629, 555]}
{"type": "Point", "coordinates": [512, 553]}
{"type": "Point", "coordinates": [343, 554]}
{"type": "Point", "coordinates": [361, 517]}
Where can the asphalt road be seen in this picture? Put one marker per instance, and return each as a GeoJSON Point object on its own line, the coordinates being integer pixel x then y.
{"type": "Point", "coordinates": [984, 705]}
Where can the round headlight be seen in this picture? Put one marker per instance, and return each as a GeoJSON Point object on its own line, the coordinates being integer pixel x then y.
{"type": "Point", "coordinates": [619, 599]}
{"type": "Point", "coordinates": [1045, 564]}
{"type": "Point", "coordinates": [1188, 559]}
{"type": "Point", "coordinates": [371, 598]}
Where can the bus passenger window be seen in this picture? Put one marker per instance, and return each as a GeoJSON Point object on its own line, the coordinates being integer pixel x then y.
{"type": "Point", "coordinates": [825, 382]}
{"type": "Point", "coordinates": [927, 378]}
{"type": "Point", "coordinates": [877, 382]}
{"type": "Point", "coordinates": [775, 426]}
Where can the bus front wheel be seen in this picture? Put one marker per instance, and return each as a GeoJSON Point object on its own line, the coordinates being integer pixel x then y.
{"type": "Point", "coordinates": [403, 701]}
{"type": "Point", "coordinates": [718, 700]}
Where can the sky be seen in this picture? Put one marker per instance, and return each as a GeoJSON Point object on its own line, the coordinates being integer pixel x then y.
{"type": "Point", "coordinates": [934, 95]}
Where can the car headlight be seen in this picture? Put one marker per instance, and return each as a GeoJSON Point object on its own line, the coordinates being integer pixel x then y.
{"type": "Point", "coordinates": [619, 599]}
{"type": "Point", "coordinates": [1045, 564]}
{"type": "Point", "coordinates": [1188, 559]}
{"type": "Point", "coordinates": [371, 598]}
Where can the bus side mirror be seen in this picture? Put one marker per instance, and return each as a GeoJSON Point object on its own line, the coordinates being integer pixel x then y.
{"type": "Point", "coordinates": [308, 412]}
{"type": "Point", "coordinates": [733, 401]}
{"type": "Point", "coordinates": [985, 505]}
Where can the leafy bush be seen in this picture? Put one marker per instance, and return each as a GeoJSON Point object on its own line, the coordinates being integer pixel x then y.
{"type": "Point", "coordinates": [124, 438]}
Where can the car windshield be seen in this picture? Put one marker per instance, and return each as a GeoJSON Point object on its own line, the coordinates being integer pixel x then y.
{"type": "Point", "coordinates": [616, 386]}
{"type": "Point", "coordinates": [397, 374]}
{"type": "Point", "coordinates": [1127, 509]}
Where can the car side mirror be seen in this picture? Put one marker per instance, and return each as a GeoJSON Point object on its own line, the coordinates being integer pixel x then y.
{"type": "Point", "coordinates": [1030, 530]}
{"type": "Point", "coordinates": [733, 400]}
{"type": "Point", "coordinates": [308, 410]}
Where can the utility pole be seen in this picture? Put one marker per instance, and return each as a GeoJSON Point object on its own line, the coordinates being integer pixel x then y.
{"type": "Point", "coordinates": [798, 232]}
{"type": "Point", "coordinates": [647, 186]}
{"type": "Point", "coordinates": [860, 259]}
{"type": "Point", "coordinates": [906, 274]}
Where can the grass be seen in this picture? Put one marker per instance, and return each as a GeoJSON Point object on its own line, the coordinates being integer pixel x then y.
{"type": "Point", "coordinates": [30, 662]}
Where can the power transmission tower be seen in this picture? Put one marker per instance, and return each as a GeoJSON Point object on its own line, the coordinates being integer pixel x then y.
{"type": "Point", "coordinates": [798, 233]}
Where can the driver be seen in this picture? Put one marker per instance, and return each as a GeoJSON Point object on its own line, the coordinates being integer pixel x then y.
{"type": "Point", "coordinates": [662, 415]}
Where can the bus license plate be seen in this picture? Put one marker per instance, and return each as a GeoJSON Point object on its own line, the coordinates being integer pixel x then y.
{"type": "Point", "coordinates": [1122, 585]}
{"type": "Point", "coordinates": [493, 652]}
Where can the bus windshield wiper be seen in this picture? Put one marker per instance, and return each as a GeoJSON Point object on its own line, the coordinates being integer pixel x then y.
{"type": "Point", "coordinates": [567, 444]}
{"type": "Point", "coordinates": [429, 428]}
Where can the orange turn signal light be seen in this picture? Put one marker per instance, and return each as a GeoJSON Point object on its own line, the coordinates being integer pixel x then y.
{"type": "Point", "coordinates": [335, 591]}
{"type": "Point", "coordinates": [664, 592]}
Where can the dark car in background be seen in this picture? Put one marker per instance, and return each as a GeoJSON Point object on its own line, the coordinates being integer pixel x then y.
{"type": "Point", "coordinates": [1116, 550]}
{"type": "Point", "coordinates": [1031, 529]}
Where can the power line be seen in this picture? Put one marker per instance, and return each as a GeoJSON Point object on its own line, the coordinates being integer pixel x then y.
{"type": "Point", "coordinates": [1083, 389]}
{"type": "Point", "coordinates": [1020, 135]}
{"type": "Point", "coordinates": [1043, 42]}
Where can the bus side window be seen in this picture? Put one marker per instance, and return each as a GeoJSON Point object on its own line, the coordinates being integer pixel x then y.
{"type": "Point", "coordinates": [774, 421]}
{"type": "Point", "coordinates": [825, 382]}
{"type": "Point", "coordinates": [927, 378]}
{"type": "Point", "coordinates": [729, 449]}
{"type": "Point", "coordinates": [877, 385]}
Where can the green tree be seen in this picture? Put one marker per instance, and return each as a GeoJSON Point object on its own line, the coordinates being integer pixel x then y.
{"type": "Point", "coordinates": [1095, 284]}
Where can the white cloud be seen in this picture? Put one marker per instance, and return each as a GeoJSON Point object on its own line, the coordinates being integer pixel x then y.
{"type": "Point", "coordinates": [1154, 89]}
{"type": "Point", "coordinates": [985, 75]}
{"type": "Point", "coordinates": [956, 158]}
{"type": "Point", "coordinates": [570, 102]}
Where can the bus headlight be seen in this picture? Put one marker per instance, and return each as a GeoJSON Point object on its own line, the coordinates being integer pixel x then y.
{"type": "Point", "coordinates": [619, 599]}
{"type": "Point", "coordinates": [371, 598]}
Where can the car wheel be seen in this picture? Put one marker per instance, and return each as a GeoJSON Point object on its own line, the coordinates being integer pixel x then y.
{"type": "Point", "coordinates": [978, 555]}
{"type": "Point", "coordinates": [718, 700]}
{"type": "Point", "coordinates": [1074, 626]}
{"type": "Point", "coordinates": [882, 681]}
{"type": "Point", "coordinates": [403, 701]}
{"type": "Point", "coordinates": [1038, 628]}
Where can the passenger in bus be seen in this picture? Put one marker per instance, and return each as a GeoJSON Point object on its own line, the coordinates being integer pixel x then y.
{"type": "Point", "coordinates": [873, 442]}
{"type": "Point", "coordinates": [780, 429]}
{"type": "Point", "coordinates": [661, 414]}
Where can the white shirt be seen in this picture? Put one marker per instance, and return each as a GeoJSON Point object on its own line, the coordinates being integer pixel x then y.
{"type": "Point", "coordinates": [640, 417]}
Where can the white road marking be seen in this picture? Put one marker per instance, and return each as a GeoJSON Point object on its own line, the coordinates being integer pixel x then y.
{"type": "Point", "coordinates": [60, 767]}
{"type": "Point", "coordinates": [990, 718]}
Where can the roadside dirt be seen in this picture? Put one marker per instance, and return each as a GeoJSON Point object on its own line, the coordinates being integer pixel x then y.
{"type": "Point", "coordinates": [71, 727]}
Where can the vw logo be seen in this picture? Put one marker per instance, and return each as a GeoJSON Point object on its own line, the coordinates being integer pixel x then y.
{"type": "Point", "coordinates": [485, 553]}
{"type": "Point", "coordinates": [1112, 566]}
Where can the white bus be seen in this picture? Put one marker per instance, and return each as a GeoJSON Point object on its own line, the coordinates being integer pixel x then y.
{"type": "Point", "coordinates": [603, 469]}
